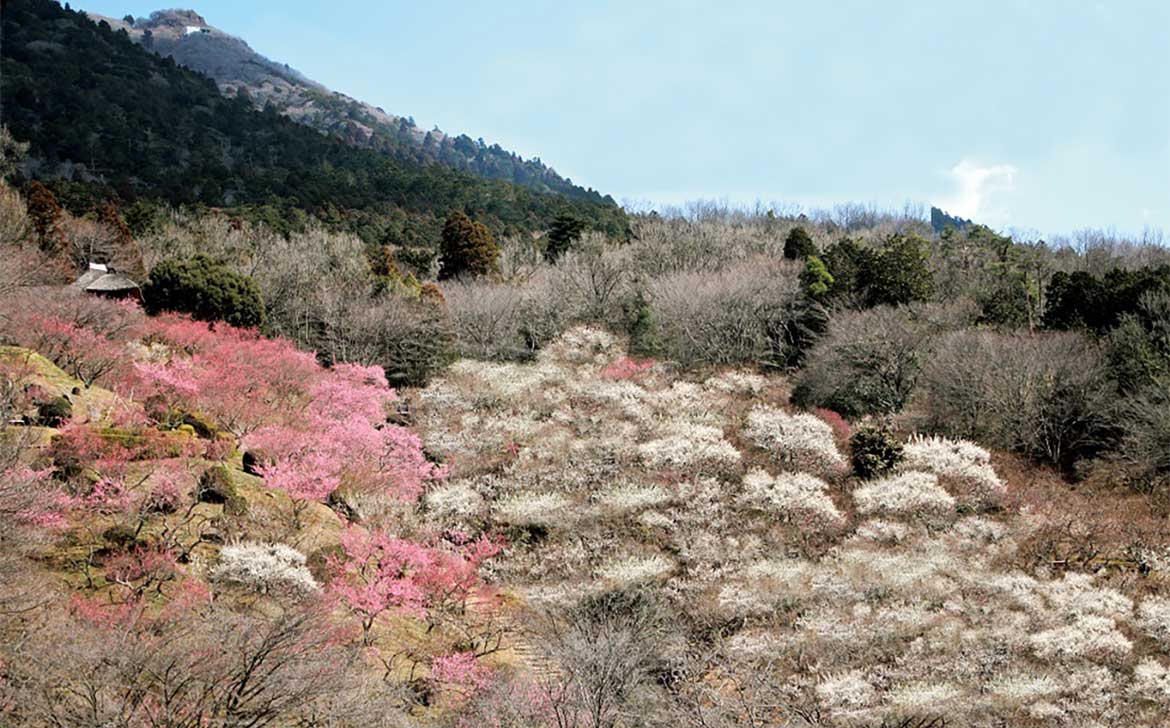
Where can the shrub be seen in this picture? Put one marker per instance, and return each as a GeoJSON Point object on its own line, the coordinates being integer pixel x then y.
{"type": "Point", "coordinates": [874, 451]}
{"type": "Point", "coordinates": [750, 313]}
{"type": "Point", "coordinates": [636, 570]}
{"type": "Point", "coordinates": [964, 464]}
{"type": "Point", "coordinates": [689, 446]}
{"type": "Point", "coordinates": [205, 289]}
{"type": "Point", "coordinates": [868, 362]}
{"type": "Point", "coordinates": [1143, 422]}
{"type": "Point", "coordinates": [1043, 395]}
{"type": "Point", "coordinates": [799, 498]}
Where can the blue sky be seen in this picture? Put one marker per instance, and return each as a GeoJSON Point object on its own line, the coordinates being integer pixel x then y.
{"type": "Point", "coordinates": [1042, 115]}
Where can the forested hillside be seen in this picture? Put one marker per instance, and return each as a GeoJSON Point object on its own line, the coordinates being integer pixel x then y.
{"type": "Point", "coordinates": [239, 70]}
{"type": "Point", "coordinates": [116, 120]}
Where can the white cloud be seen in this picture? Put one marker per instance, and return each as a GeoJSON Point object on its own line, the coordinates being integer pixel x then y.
{"type": "Point", "coordinates": [975, 185]}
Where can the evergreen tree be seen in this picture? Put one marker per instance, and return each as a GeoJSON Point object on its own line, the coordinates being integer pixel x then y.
{"type": "Point", "coordinates": [815, 279]}
{"type": "Point", "coordinates": [564, 231]}
{"type": "Point", "coordinates": [843, 259]}
{"type": "Point", "coordinates": [897, 273]}
{"type": "Point", "coordinates": [467, 248]}
{"type": "Point", "coordinates": [205, 289]}
{"type": "Point", "coordinates": [798, 245]}
{"type": "Point", "coordinates": [45, 212]}
{"type": "Point", "coordinates": [107, 214]}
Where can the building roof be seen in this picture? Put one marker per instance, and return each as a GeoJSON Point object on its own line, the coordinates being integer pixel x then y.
{"type": "Point", "coordinates": [111, 282]}
{"type": "Point", "coordinates": [96, 271]}
{"type": "Point", "coordinates": [100, 279]}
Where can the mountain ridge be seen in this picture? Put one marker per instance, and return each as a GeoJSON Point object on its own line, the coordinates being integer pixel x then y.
{"type": "Point", "coordinates": [186, 37]}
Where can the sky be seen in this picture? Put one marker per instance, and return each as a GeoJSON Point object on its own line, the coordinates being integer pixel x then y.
{"type": "Point", "coordinates": [1041, 115]}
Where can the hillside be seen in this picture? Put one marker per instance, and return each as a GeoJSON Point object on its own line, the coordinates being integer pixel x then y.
{"type": "Point", "coordinates": [239, 71]}
{"type": "Point", "coordinates": [587, 539]}
{"type": "Point", "coordinates": [119, 121]}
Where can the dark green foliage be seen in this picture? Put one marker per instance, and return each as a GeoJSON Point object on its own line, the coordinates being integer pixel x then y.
{"type": "Point", "coordinates": [564, 231]}
{"type": "Point", "coordinates": [643, 336]}
{"type": "Point", "coordinates": [843, 259]}
{"type": "Point", "coordinates": [81, 93]}
{"type": "Point", "coordinates": [1139, 346]}
{"type": "Point", "coordinates": [874, 451]}
{"type": "Point", "coordinates": [799, 245]}
{"type": "Point", "coordinates": [896, 273]}
{"type": "Point", "coordinates": [205, 289]}
{"type": "Point", "coordinates": [1082, 300]}
{"type": "Point", "coordinates": [467, 248]}
{"type": "Point", "coordinates": [1006, 302]}
{"type": "Point", "coordinates": [54, 412]}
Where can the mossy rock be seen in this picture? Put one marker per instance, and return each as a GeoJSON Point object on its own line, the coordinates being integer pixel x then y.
{"type": "Point", "coordinates": [217, 487]}
{"type": "Point", "coordinates": [318, 561]}
{"type": "Point", "coordinates": [202, 426]}
{"type": "Point", "coordinates": [254, 460]}
{"type": "Point", "coordinates": [54, 412]}
{"type": "Point", "coordinates": [342, 502]}
{"type": "Point", "coordinates": [121, 537]}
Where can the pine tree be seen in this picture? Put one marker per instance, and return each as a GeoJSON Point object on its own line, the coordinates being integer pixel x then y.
{"type": "Point", "coordinates": [564, 231]}
{"type": "Point", "coordinates": [798, 245]}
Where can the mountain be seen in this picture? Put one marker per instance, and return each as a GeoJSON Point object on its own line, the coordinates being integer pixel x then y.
{"type": "Point", "coordinates": [108, 119]}
{"type": "Point", "coordinates": [240, 71]}
{"type": "Point", "coordinates": [941, 220]}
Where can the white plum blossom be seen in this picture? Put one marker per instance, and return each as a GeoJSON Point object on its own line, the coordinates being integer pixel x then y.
{"type": "Point", "coordinates": [264, 567]}
{"type": "Point", "coordinates": [684, 445]}
{"type": "Point", "coordinates": [965, 462]}
{"type": "Point", "coordinates": [1154, 618]}
{"type": "Point", "coordinates": [799, 497]}
{"type": "Point", "coordinates": [636, 569]}
{"type": "Point", "coordinates": [634, 497]}
{"type": "Point", "coordinates": [801, 439]}
{"type": "Point", "coordinates": [848, 691]}
{"type": "Point", "coordinates": [1151, 680]}
{"type": "Point", "coordinates": [905, 494]}
{"type": "Point", "coordinates": [534, 509]}
{"type": "Point", "coordinates": [1086, 637]}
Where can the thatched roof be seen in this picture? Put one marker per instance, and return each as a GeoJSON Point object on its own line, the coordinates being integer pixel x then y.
{"type": "Point", "coordinates": [100, 279]}
{"type": "Point", "coordinates": [111, 282]}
